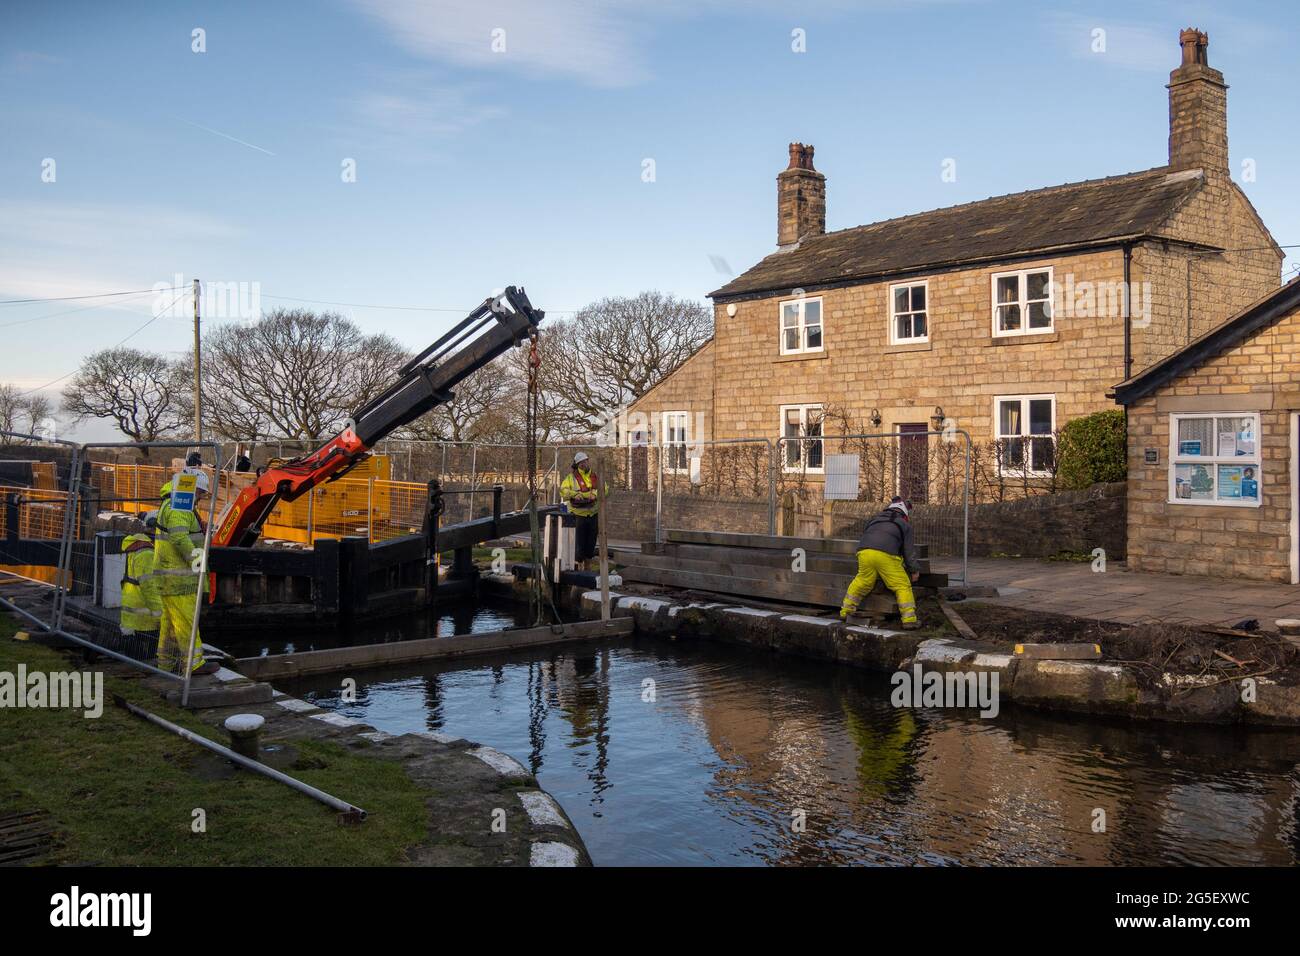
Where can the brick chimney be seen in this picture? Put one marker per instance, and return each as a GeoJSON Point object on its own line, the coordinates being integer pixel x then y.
{"type": "Point", "coordinates": [800, 198]}
{"type": "Point", "coordinates": [1198, 110]}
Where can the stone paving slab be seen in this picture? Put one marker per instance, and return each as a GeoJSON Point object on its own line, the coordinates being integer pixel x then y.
{"type": "Point", "coordinates": [1127, 597]}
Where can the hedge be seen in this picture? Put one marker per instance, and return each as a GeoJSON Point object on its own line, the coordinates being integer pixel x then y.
{"type": "Point", "coordinates": [1092, 449]}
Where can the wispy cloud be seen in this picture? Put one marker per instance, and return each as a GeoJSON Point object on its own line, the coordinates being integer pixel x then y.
{"type": "Point", "coordinates": [413, 109]}
{"type": "Point", "coordinates": [592, 40]}
{"type": "Point", "coordinates": [1128, 45]}
{"type": "Point", "coordinates": [96, 226]}
{"type": "Point", "coordinates": [28, 61]}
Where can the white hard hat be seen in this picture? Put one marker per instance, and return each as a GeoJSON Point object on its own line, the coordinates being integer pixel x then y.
{"type": "Point", "coordinates": [201, 482]}
{"type": "Point", "coordinates": [580, 457]}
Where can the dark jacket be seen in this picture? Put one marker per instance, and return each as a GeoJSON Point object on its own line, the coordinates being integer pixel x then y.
{"type": "Point", "coordinates": [891, 533]}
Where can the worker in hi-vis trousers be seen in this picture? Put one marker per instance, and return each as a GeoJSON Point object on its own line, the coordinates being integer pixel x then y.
{"type": "Point", "coordinates": [886, 550]}
{"type": "Point", "coordinates": [141, 604]}
{"type": "Point", "coordinates": [178, 536]}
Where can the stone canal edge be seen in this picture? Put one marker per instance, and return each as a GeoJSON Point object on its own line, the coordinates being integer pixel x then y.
{"type": "Point", "coordinates": [1095, 688]}
{"type": "Point", "coordinates": [466, 785]}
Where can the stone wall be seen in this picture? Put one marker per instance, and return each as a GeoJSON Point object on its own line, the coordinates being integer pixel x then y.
{"type": "Point", "coordinates": [1039, 526]}
{"type": "Point", "coordinates": [1257, 376]}
{"type": "Point", "coordinates": [632, 514]}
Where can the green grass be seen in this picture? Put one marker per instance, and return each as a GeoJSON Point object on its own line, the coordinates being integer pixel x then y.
{"type": "Point", "coordinates": [122, 791]}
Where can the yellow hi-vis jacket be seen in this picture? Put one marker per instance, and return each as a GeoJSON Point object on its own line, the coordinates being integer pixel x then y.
{"type": "Point", "coordinates": [580, 492]}
{"type": "Point", "coordinates": [178, 535]}
{"type": "Point", "coordinates": [141, 603]}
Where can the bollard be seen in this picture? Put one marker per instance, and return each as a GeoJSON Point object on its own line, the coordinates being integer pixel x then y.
{"type": "Point", "coordinates": [245, 731]}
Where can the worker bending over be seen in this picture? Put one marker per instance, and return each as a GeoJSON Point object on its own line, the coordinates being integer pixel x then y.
{"type": "Point", "coordinates": [180, 585]}
{"type": "Point", "coordinates": [886, 550]}
{"type": "Point", "coordinates": [141, 603]}
{"type": "Point", "coordinates": [581, 493]}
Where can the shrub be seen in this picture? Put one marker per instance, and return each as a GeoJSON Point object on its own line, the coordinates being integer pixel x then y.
{"type": "Point", "coordinates": [1092, 449]}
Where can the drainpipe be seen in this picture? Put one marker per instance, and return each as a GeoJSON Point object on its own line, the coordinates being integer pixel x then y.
{"type": "Point", "coordinates": [1128, 311]}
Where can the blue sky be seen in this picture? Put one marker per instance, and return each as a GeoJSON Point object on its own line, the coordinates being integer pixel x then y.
{"type": "Point", "coordinates": [476, 169]}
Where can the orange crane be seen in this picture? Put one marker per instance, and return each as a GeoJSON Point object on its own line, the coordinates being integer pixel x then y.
{"type": "Point", "coordinates": [426, 381]}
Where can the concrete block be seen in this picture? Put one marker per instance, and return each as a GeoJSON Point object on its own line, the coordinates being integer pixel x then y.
{"type": "Point", "coordinates": [1059, 652]}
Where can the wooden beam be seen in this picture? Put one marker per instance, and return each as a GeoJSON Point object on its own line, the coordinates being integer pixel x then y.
{"type": "Point", "coordinates": [763, 557]}
{"type": "Point", "coordinates": [785, 543]}
{"type": "Point", "coordinates": [735, 563]}
{"type": "Point", "coordinates": [744, 587]}
{"type": "Point", "coordinates": [283, 666]}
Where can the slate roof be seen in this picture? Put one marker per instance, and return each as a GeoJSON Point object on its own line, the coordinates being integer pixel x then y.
{"type": "Point", "coordinates": [1040, 220]}
{"type": "Point", "coordinates": [1253, 318]}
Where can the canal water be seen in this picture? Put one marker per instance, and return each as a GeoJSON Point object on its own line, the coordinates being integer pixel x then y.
{"type": "Point", "coordinates": [676, 752]}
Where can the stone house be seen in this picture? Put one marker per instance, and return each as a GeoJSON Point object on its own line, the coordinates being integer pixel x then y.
{"type": "Point", "coordinates": [1005, 317]}
{"type": "Point", "coordinates": [1212, 449]}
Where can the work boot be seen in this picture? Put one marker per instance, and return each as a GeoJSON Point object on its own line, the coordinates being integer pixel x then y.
{"type": "Point", "coordinates": [911, 625]}
{"type": "Point", "coordinates": [206, 669]}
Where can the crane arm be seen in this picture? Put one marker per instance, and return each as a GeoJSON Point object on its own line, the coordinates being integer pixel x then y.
{"type": "Point", "coordinates": [426, 381]}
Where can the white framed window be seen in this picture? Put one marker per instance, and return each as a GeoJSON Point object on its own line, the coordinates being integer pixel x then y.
{"type": "Point", "coordinates": [1025, 427]}
{"type": "Point", "coordinates": [801, 427]}
{"type": "Point", "coordinates": [1214, 459]}
{"type": "Point", "coordinates": [673, 437]}
{"type": "Point", "coordinates": [908, 313]}
{"type": "Point", "coordinates": [1022, 302]}
{"type": "Point", "coordinates": [801, 326]}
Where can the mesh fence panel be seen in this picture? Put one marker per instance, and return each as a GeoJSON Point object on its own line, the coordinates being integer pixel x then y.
{"type": "Point", "coordinates": [930, 469]}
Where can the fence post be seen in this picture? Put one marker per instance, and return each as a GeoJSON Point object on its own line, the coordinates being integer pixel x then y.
{"type": "Point", "coordinates": [473, 477]}
{"type": "Point", "coordinates": [659, 496]}
{"type": "Point", "coordinates": [311, 502]}
{"type": "Point", "coordinates": [965, 517]}
{"type": "Point", "coordinates": [771, 485]}
{"type": "Point", "coordinates": [370, 510]}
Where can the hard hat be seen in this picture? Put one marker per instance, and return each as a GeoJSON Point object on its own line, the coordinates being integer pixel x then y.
{"type": "Point", "coordinates": [580, 457]}
{"type": "Point", "coordinates": [901, 504]}
{"type": "Point", "coordinates": [151, 519]}
{"type": "Point", "coordinates": [201, 483]}
{"type": "Point", "coordinates": [166, 490]}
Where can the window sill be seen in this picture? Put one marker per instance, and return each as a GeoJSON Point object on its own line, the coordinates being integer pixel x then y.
{"type": "Point", "coordinates": [803, 356]}
{"type": "Point", "coordinates": [907, 347]}
{"type": "Point", "coordinates": [1201, 502]}
{"type": "Point", "coordinates": [1025, 338]}
{"type": "Point", "coordinates": [1030, 475]}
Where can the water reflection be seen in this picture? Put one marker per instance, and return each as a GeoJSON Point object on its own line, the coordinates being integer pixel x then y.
{"type": "Point", "coordinates": [731, 749]}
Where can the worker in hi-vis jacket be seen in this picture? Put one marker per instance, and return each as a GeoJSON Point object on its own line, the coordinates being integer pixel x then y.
{"type": "Point", "coordinates": [580, 493]}
{"type": "Point", "coordinates": [886, 550]}
{"type": "Point", "coordinates": [178, 538]}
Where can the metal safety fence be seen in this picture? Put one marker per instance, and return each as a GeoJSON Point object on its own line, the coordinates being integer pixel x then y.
{"type": "Point", "coordinates": [832, 485]}
{"type": "Point", "coordinates": [809, 485]}
{"type": "Point", "coordinates": [83, 560]}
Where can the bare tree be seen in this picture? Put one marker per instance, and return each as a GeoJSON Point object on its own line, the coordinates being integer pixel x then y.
{"type": "Point", "coordinates": [488, 407]}
{"type": "Point", "coordinates": [144, 394]}
{"type": "Point", "coordinates": [614, 351]}
{"type": "Point", "coordinates": [293, 374]}
{"type": "Point", "coordinates": [21, 412]}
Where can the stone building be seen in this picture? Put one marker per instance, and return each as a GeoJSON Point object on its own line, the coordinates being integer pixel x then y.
{"type": "Point", "coordinates": [1005, 317]}
{"type": "Point", "coordinates": [1212, 449]}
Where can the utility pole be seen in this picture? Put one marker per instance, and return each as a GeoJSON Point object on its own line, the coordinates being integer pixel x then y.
{"type": "Point", "coordinates": [198, 386]}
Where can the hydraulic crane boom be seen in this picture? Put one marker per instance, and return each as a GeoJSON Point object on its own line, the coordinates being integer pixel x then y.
{"type": "Point", "coordinates": [423, 383]}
